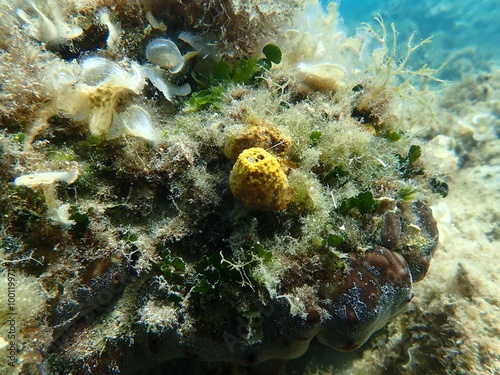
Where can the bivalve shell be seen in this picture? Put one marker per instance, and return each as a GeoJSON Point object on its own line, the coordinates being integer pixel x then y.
{"type": "Point", "coordinates": [96, 70]}
{"type": "Point", "coordinates": [137, 122]}
{"type": "Point", "coordinates": [164, 53]}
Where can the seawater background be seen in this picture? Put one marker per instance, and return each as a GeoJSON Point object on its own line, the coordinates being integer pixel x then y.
{"type": "Point", "coordinates": [466, 34]}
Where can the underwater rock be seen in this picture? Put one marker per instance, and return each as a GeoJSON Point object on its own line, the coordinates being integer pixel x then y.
{"type": "Point", "coordinates": [391, 231]}
{"type": "Point", "coordinates": [276, 203]}
{"type": "Point", "coordinates": [419, 255]}
{"type": "Point", "coordinates": [280, 335]}
{"type": "Point", "coordinates": [103, 281]}
{"type": "Point", "coordinates": [376, 289]}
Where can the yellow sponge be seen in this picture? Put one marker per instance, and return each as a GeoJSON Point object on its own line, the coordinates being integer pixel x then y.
{"type": "Point", "coordinates": [258, 180]}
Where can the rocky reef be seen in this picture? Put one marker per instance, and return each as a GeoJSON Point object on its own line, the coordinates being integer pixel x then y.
{"type": "Point", "coordinates": [177, 186]}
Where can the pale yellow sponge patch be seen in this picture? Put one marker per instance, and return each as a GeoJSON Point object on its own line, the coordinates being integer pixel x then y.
{"type": "Point", "coordinates": [258, 180]}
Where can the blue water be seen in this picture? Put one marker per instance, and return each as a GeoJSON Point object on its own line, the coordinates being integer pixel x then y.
{"type": "Point", "coordinates": [466, 34]}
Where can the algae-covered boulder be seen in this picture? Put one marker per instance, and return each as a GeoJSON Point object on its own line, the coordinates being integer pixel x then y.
{"type": "Point", "coordinates": [234, 196]}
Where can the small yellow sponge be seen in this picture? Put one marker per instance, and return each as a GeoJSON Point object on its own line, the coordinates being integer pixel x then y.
{"type": "Point", "coordinates": [258, 180]}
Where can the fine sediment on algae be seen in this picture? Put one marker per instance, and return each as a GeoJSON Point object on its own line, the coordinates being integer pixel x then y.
{"type": "Point", "coordinates": [177, 190]}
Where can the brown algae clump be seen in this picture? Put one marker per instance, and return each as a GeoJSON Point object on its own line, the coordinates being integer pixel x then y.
{"type": "Point", "coordinates": [258, 180]}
